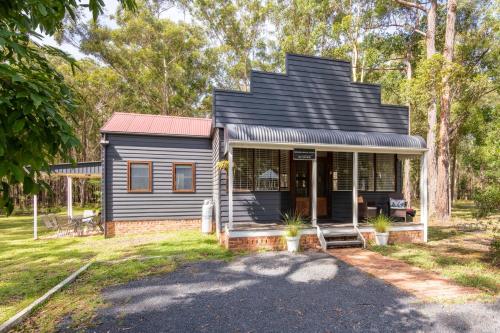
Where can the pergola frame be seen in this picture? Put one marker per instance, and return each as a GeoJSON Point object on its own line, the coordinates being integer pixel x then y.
{"type": "Point", "coordinates": [83, 170]}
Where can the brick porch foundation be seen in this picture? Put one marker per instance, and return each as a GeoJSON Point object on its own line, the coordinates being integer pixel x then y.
{"type": "Point", "coordinates": [121, 228]}
{"type": "Point", "coordinates": [307, 242]}
{"type": "Point", "coordinates": [400, 236]}
{"type": "Point", "coordinates": [277, 243]}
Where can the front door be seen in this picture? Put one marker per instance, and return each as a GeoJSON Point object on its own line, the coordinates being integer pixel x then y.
{"type": "Point", "coordinates": [322, 186]}
{"type": "Point", "coordinates": [302, 187]}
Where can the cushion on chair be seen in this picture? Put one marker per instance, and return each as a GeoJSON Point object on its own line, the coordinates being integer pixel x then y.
{"type": "Point", "coordinates": [397, 203]}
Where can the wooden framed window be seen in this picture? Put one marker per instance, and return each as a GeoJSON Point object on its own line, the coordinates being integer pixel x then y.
{"type": "Point", "coordinates": [184, 177]}
{"type": "Point", "coordinates": [139, 176]}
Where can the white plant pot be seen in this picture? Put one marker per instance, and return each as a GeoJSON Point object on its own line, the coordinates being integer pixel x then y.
{"type": "Point", "coordinates": [382, 238]}
{"type": "Point", "coordinates": [293, 243]}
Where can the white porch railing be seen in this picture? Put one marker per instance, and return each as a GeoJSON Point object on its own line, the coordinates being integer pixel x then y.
{"type": "Point", "coordinates": [322, 240]}
{"type": "Point", "coordinates": [360, 235]}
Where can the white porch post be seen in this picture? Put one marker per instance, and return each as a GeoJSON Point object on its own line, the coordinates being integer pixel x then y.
{"type": "Point", "coordinates": [69, 198]}
{"type": "Point", "coordinates": [35, 216]}
{"type": "Point", "coordinates": [314, 197]}
{"type": "Point", "coordinates": [424, 209]}
{"type": "Point", "coordinates": [230, 188]}
{"type": "Point", "coordinates": [355, 188]}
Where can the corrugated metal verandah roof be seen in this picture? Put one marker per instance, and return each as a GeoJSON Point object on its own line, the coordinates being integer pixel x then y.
{"type": "Point", "coordinates": [77, 170]}
{"type": "Point", "coordinates": [307, 136]}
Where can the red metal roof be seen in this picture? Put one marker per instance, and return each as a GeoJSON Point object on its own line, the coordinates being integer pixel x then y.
{"type": "Point", "coordinates": [138, 123]}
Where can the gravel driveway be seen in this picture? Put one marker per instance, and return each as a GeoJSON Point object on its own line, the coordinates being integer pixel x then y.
{"type": "Point", "coordinates": [279, 292]}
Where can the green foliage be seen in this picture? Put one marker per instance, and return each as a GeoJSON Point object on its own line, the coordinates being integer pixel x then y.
{"type": "Point", "coordinates": [165, 66]}
{"type": "Point", "coordinates": [293, 223]}
{"type": "Point", "coordinates": [238, 28]}
{"type": "Point", "coordinates": [495, 251]}
{"type": "Point", "coordinates": [381, 223]}
{"type": "Point", "coordinates": [34, 99]}
{"type": "Point", "coordinates": [30, 268]}
{"type": "Point", "coordinates": [222, 165]}
{"type": "Point", "coordinates": [487, 201]}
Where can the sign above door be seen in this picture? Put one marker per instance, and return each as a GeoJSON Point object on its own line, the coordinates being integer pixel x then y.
{"type": "Point", "coordinates": [304, 154]}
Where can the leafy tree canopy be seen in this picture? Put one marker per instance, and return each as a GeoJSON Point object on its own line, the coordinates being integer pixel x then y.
{"type": "Point", "coordinates": [34, 98]}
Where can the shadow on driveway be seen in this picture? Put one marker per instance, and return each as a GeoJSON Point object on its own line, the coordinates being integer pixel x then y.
{"type": "Point", "coordinates": [268, 292]}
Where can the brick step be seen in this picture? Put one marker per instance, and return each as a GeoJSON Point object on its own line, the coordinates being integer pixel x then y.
{"type": "Point", "coordinates": [345, 243]}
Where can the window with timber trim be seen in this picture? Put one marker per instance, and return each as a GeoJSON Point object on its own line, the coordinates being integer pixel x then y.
{"type": "Point", "coordinates": [184, 177]}
{"type": "Point", "coordinates": [261, 170]}
{"type": "Point", "coordinates": [342, 171]}
{"type": "Point", "coordinates": [139, 176]}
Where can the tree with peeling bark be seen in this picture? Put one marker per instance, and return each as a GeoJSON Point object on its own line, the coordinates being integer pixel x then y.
{"type": "Point", "coordinates": [430, 11]}
{"type": "Point", "coordinates": [443, 202]}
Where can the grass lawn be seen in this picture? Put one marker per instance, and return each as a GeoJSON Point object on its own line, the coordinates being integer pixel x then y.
{"type": "Point", "coordinates": [30, 268]}
{"type": "Point", "coordinates": [464, 257]}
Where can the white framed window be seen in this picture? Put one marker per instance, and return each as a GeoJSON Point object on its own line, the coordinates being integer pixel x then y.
{"type": "Point", "coordinates": [341, 171]}
{"type": "Point", "coordinates": [267, 172]}
{"type": "Point", "coordinates": [366, 179]}
{"type": "Point", "coordinates": [284, 170]}
{"type": "Point", "coordinates": [385, 172]}
{"type": "Point", "coordinates": [243, 169]}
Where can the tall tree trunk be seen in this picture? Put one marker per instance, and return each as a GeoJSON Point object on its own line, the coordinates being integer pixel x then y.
{"type": "Point", "coordinates": [453, 175]}
{"type": "Point", "coordinates": [407, 164]}
{"type": "Point", "coordinates": [430, 41]}
{"type": "Point", "coordinates": [443, 181]}
{"type": "Point", "coordinates": [430, 45]}
{"type": "Point", "coordinates": [82, 192]}
{"type": "Point", "coordinates": [354, 62]}
{"type": "Point", "coordinates": [165, 109]}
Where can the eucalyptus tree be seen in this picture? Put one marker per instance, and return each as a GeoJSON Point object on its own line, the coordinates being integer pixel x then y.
{"type": "Point", "coordinates": [165, 66]}
{"type": "Point", "coordinates": [429, 9]}
{"type": "Point", "coordinates": [240, 32]}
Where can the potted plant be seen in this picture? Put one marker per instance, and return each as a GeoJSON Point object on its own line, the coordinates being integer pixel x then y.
{"type": "Point", "coordinates": [381, 223]}
{"type": "Point", "coordinates": [293, 224]}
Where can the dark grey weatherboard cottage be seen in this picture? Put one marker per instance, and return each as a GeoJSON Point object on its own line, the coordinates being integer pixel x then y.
{"type": "Point", "coordinates": [309, 140]}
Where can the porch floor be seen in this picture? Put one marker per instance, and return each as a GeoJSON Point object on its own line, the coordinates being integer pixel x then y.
{"type": "Point", "coordinates": [323, 224]}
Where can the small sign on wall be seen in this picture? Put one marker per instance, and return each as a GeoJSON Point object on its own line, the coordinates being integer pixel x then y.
{"type": "Point", "coordinates": [304, 154]}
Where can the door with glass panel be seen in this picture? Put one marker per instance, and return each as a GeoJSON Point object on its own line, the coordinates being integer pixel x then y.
{"type": "Point", "coordinates": [302, 188]}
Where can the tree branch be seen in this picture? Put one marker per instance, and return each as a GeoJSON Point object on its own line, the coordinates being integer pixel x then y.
{"type": "Point", "coordinates": [420, 32]}
{"type": "Point", "coordinates": [411, 4]}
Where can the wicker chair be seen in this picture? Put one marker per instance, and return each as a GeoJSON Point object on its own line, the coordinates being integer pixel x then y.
{"type": "Point", "coordinates": [362, 208]}
{"type": "Point", "coordinates": [397, 212]}
{"type": "Point", "coordinates": [49, 222]}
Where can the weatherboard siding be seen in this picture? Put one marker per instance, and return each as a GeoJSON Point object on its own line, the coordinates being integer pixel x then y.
{"type": "Point", "coordinates": [314, 93]}
{"type": "Point", "coordinates": [216, 175]}
{"type": "Point", "coordinates": [162, 203]}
